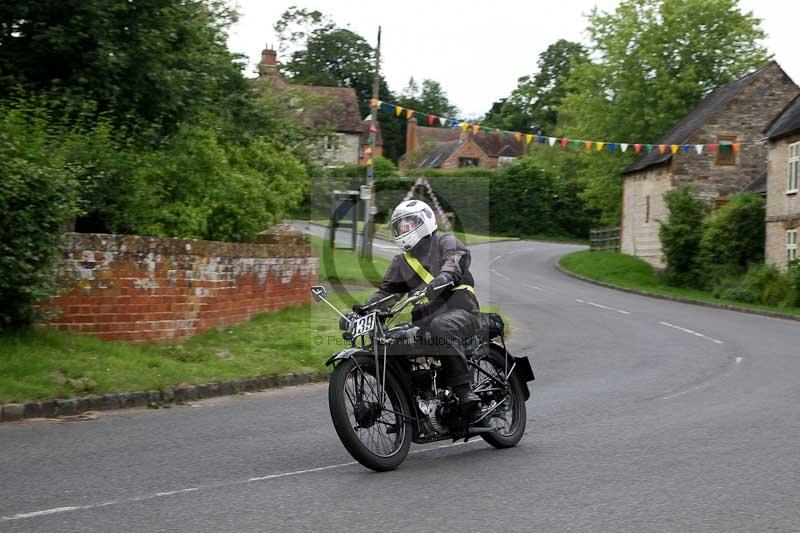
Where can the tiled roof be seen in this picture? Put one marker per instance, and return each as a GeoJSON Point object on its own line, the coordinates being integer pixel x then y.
{"type": "Point", "coordinates": [338, 108]}
{"type": "Point", "coordinates": [758, 185]}
{"type": "Point", "coordinates": [439, 155]}
{"type": "Point", "coordinates": [787, 122]}
{"type": "Point", "coordinates": [449, 139]}
{"type": "Point", "coordinates": [712, 104]}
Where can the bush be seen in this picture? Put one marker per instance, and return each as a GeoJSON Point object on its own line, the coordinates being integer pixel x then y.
{"type": "Point", "coordinates": [733, 238]}
{"type": "Point", "coordinates": [762, 284]}
{"type": "Point", "coordinates": [681, 235]}
{"type": "Point", "coordinates": [38, 196]}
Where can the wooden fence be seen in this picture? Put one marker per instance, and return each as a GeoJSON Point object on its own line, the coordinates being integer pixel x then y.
{"type": "Point", "coordinates": [604, 239]}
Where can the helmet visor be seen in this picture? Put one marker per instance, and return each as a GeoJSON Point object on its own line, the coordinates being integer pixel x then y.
{"type": "Point", "coordinates": [406, 223]}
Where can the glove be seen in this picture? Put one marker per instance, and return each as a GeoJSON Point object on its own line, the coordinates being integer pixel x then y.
{"type": "Point", "coordinates": [358, 309]}
{"type": "Point", "coordinates": [431, 289]}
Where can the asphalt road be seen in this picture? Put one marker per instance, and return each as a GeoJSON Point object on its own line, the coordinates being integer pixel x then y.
{"type": "Point", "coordinates": [646, 415]}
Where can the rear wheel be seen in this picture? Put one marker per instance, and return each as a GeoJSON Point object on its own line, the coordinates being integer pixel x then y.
{"type": "Point", "coordinates": [376, 433]}
{"type": "Point", "coordinates": [507, 397]}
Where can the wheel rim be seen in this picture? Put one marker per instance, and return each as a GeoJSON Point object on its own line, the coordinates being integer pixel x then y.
{"type": "Point", "coordinates": [380, 430]}
{"type": "Point", "coordinates": [504, 418]}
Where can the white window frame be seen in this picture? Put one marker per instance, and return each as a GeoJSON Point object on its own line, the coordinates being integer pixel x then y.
{"type": "Point", "coordinates": [793, 168]}
{"type": "Point", "coordinates": [506, 160]}
{"type": "Point", "coordinates": [791, 245]}
{"type": "Point", "coordinates": [330, 143]}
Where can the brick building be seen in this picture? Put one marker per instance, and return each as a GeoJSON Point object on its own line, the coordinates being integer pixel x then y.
{"type": "Point", "coordinates": [428, 147]}
{"type": "Point", "coordinates": [783, 175]}
{"type": "Point", "coordinates": [734, 116]}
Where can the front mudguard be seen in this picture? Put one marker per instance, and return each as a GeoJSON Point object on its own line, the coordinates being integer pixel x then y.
{"type": "Point", "coordinates": [347, 354]}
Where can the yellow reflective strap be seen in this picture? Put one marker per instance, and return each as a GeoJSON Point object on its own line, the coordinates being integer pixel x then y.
{"type": "Point", "coordinates": [426, 276]}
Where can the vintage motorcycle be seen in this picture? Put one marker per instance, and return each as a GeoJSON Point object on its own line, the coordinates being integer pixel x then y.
{"type": "Point", "coordinates": [385, 391]}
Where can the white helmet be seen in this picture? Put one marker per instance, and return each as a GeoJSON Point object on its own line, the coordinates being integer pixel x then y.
{"type": "Point", "coordinates": [412, 221]}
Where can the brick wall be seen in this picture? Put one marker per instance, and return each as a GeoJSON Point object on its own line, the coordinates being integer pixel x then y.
{"type": "Point", "coordinates": [783, 210]}
{"type": "Point", "coordinates": [468, 149]}
{"type": "Point", "coordinates": [141, 288]}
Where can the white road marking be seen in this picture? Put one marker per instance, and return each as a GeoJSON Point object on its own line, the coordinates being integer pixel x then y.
{"type": "Point", "coordinates": [495, 259]}
{"type": "Point", "coordinates": [56, 510]}
{"type": "Point", "coordinates": [607, 308]}
{"type": "Point", "coordinates": [695, 388]}
{"type": "Point", "coordinates": [499, 274]}
{"type": "Point", "coordinates": [533, 287]}
{"type": "Point", "coordinates": [689, 331]}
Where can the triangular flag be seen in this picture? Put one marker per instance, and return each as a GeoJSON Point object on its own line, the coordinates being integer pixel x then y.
{"type": "Point", "coordinates": [528, 138]}
{"type": "Point", "coordinates": [506, 134]}
{"type": "Point", "coordinates": [736, 147]}
{"type": "Point", "coordinates": [397, 110]}
{"type": "Point", "coordinates": [587, 144]}
{"type": "Point", "coordinates": [686, 148]}
{"type": "Point", "coordinates": [369, 161]}
{"type": "Point", "coordinates": [518, 136]}
{"type": "Point", "coordinates": [409, 113]}
{"type": "Point", "coordinates": [374, 102]}
{"type": "Point", "coordinates": [648, 148]}
{"type": "Point", "coordinates": [662, 148]}
{"type": "Point", "coordinates": [600, 145]}
{"type": "Point", "coordinates": [564, 142]}
{"type": "Point", "coordinates": [464, 127]}
{"type": "Point", "coordinates": [576, 143]}
{"type": "Point", "coordinates": [637, 148]}
{"type": "Point", "coordinates": [698, 148]}
{"type": "Point", "coordinates": [674, 148]}
{"type": "Point", "coordinates": [551, 141]}
{"type": "Point", "coordinates": [476, 128]}
{"type": "Point", "coordinates": [712, 148]}
{"type": "Point", "coordinates": [624, 147]}
{"type": "Point", "coordinates": [442, 121]}
{"type": "Point", "coordinates": [368, 150]}
{"type": "Point", "coordinates": [540, 139]}
{"type": "Point", "coordinates": [431, 119]}
{"type": "Point", "coordinates": [612, 147]}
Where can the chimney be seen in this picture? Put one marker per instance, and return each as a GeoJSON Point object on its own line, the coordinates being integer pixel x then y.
{"type": "Point", "coordinates": [412, 140]}
{"type": "Point", "coordinates": [269, 62]}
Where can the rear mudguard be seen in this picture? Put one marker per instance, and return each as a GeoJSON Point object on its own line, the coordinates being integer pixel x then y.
{"type": "Point", "coordinates": [522, 366]}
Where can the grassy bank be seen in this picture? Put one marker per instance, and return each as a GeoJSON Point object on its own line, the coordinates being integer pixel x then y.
{"type": "Point", "coordinates": [346, 267]}
{"type": "Point", "coordinates": [632, 273]}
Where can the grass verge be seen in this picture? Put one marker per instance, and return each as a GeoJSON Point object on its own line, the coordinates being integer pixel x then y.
{"type": "Point", "coordinates": [467, 238]}
{"type": "Point", "coordinates": [632, 273]}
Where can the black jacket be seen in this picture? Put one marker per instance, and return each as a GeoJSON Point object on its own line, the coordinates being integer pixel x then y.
{"type": "Point", "coordinates": [438, 254]}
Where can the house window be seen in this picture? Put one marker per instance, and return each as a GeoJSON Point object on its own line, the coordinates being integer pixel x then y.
{"type": "Point", "coordinates": [468, 162]}
{"type": "Point", "coordinates": [646, 209]}
{"type": "Point", "coordinates": [726, 155]}
{"type": "Point", "coordinates": [791, 245]}
{"type": "Point", "coordinates": [794, 163]}
{"type": "Point", "coordinates": [330, 143]}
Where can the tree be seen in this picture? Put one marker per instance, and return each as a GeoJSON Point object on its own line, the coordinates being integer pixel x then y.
{"type": "Point", "coordinates": [681, 234]}
{"type": "Point", "coordinates": [652, 61]}
{"type": "Point", "coordinates": [150, 64]}
{"type": "Point", "coordinates": [533, 105]}
{"type": "Point", "coordinates": [429, 98]}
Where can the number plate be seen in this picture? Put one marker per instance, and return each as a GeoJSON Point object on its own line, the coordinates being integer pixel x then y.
{"type": "Point", "coordinates": [364, 325]}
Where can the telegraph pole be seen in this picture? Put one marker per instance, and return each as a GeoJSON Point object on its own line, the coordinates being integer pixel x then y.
{"type": "Point", "coordinates": [366, 239]}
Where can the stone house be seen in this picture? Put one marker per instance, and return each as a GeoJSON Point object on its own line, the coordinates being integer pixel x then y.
{"type": "Point", "coordinates": [453, 148]}
{"type": "Point", "coordinates": [334, 109]}
{"type": "Point", "coordinates": [734, 117]}
{"type": "Point", "coordinates": [783, 174]}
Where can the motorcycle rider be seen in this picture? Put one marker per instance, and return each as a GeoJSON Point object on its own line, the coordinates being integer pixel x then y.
{"type": "Point", "coordinates": [432, 259]}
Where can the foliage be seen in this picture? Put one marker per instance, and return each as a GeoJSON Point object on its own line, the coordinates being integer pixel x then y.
{"type": "Point", "coordinates": [762, 284]}
{"type": "Point", "coordinates": [429, 98]}
{"type": "Point", "coordinates": [733, 237]}
{"type": "Point", "coordinates": [652, 61]}
{"type": "Point", "coordinates": [38, 196]}
{"type": "Point", "coordinates": [681, 234]}
{"type": "Point", "coordinates": [533, 105]}
{"type": "Point", "coordinates": [150, 64]}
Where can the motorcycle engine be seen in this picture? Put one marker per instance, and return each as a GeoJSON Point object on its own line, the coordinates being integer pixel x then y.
{"type": "Point", "coordinates": [431, 422]}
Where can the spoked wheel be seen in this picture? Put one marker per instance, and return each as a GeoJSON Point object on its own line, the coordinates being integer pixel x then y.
{"type": "Point", "coordinates": [509, 416]}
{"type": "Point", "coordinates": [376, 433]}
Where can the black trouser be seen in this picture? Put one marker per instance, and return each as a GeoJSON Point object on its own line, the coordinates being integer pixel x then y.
{"type": "Point", "coordinates": [449, 328]}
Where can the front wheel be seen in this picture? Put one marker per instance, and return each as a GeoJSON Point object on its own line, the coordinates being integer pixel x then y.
{"type": "Point", "coordinates": [509, 417]}
{"type": "Point", "coordinates": [376, 432]}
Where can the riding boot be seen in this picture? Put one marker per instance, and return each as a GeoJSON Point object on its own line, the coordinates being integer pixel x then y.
{"type": "Point", "coordinates": [469, 401]}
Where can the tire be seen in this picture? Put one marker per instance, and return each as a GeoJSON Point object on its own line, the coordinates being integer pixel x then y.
{"type": "Point", "coordinates": [383, 444]}
{"type": "Point", "coordinates": [513, 430]}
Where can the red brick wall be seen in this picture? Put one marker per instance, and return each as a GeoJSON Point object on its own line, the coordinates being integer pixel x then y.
{"type": "Point", "coordinates": [142, 288]}
{"type": "Point", "coordinates": [468, 149]}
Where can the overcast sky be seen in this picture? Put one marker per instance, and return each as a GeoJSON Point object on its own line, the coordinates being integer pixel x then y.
{"type": "Point", "coordinates": [476, 50]}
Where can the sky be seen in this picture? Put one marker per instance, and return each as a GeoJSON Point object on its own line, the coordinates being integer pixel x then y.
{"type": "Point", "coordinates": [476, 50]}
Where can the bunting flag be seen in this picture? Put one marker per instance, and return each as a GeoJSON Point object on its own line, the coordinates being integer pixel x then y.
{"type": "Point", "coordinates": [565, 142]}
